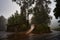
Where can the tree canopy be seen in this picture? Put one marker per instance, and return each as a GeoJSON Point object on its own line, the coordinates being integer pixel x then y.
{"type": "Point", "coordinates": [17, 22]}
{"type": "Point", "coordinates": [57, 9]}
{"type": "Point", "coordinates": [38, 8]}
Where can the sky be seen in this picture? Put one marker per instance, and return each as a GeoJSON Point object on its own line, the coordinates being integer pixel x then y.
{"type": "Point", "coordinates": [54, 21]}
{"type": "Point", "coordinates": [7, 8]}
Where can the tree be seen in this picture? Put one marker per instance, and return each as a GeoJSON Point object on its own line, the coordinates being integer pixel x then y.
{"type": "Point", "coordinates": [2, 23]}
{"type": "Point", "coordinates": [39, 11]}
{"type": "Point", "coordinates": [25, 5]}
{"type": "Point", "coordinates": [41, 18]}
{"type": "Point", "coordinates": [16, 23]}
{"type": "Point", "coordinates": [57, 10]}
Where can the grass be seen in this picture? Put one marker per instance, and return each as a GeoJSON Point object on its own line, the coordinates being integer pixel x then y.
{"type": "Point", "coordinates": [57, 29]}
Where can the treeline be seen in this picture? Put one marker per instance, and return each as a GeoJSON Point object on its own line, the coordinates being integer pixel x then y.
{"type": "Point", "coordinates": [17, 22]}
{"type": "Point", "coordinates": [40, 18]}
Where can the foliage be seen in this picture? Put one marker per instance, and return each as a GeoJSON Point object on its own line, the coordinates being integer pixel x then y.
{"type": "Point", "coordinates": [41, 28]}
{"type": "Point", "coordinates": [57, 9]}
{"type": "Point", "coordinates": [2, 23]}
{"type": "Point", "coordinates": [41, 18]}
{"type": "Point", "coordinates": [39, 11]}
{"type": "Point", "coordinates": [17, 22]}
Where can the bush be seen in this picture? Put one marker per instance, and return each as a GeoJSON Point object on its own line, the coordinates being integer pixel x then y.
{"type": "Point", "coordinates": [41, 29]}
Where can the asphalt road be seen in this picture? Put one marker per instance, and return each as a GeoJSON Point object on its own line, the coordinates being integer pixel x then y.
{"type": "Point", "coordinates": [55, 35]}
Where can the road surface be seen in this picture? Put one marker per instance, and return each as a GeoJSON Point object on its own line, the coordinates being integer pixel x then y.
{"type": "Point", "coordinates": [55, 35]}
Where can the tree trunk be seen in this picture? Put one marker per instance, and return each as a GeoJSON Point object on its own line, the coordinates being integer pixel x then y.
{"type": "Point", "coordinates": [31, 29]}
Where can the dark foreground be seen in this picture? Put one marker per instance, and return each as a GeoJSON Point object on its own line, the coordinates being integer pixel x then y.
{"type": "Point", "coordinates": [55, 35]}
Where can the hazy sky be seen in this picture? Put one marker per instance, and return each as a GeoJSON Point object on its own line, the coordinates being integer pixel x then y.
{"type": "Point", "coordinates": [7, 8]}
{"type": "Point", "coordinates": [54, 22]}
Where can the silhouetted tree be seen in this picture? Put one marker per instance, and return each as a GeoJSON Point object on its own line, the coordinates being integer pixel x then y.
{"type": "Point", "coordinates": [16, 23]}
{"type": "Point", "coordinates": [41, 18]}
{"type": "Point", "coordinates": [39, 11]}
{"type": "Point", "coordinates": [3, 23]}
{"type": "Point", "coordinates": [57, 10]}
